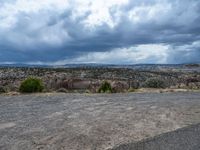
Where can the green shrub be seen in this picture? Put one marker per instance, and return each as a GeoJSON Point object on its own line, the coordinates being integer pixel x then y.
{"type": "Point", "coordinates": [31, 85]}
{"type": "Point", "coordinates": [105, 88]}
{"type": "Point", "coordinates": [2, 89]}
{"type": "Point", "coordinates": [154, 83]}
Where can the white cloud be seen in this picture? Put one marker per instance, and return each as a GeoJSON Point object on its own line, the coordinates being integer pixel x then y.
{"type": "Point", "coordinates": [10, 10]}
{"type": "Point", "coordinates": [99, 11]}
{"type": "Point", "coordinates": [101, 31]}
{"type": "Point", "coordinates": [153, 12]}
{"type": "Point", "coordinates": [150, 53]}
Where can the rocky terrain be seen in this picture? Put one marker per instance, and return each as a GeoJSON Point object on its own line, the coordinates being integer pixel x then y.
{"type": "Point", "coordinates": [97, 121]}
{"type": "Point", "coordinates": [86, 78]}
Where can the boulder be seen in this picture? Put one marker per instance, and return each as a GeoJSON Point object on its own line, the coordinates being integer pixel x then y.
{"type": "Point", "coordinates": [94, 86]}
{"type": "Point", "coordinates": [73, 84]}
{"type": "Point", "coordinates": [81, 84]}
{"type": "Point", "coordinates": [119, 86]}
{"type": "Point", "coordinates": [193, 85]}
{"type": "Point", "coordinates": [134, 84]}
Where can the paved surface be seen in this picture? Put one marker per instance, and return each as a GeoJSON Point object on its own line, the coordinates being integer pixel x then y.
{"type": "Point", "coordinates": [187, 138]}
{"type": "Point", "coordinates": [91, 122]}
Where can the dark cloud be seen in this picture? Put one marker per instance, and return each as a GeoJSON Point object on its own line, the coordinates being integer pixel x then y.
{"type": "Point", "coordinates": [49, 35]}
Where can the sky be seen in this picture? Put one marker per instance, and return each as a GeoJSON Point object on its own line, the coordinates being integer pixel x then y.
{"type": "Point", "coordinates": [58, 32]}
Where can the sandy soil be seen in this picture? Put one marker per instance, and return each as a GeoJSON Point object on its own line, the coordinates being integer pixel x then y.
{"type": "Point", "coordinates": [92, 122]}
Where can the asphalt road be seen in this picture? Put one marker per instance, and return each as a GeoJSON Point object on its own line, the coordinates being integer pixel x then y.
{"type": "Point", "coordinates": [187, 138]}
{"type": "Point", "coordinates": [92, 122]}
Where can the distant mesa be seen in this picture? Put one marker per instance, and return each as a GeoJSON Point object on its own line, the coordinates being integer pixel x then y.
{"type": "Point", "coordinates": [192, 65]}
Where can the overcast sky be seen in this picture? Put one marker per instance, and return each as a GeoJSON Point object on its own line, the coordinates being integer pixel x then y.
{"type": "Point", "coordinates": [99, 31]}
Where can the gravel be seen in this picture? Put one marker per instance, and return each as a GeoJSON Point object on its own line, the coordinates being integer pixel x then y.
{"type": "Point", "coordinates": [60, 121]}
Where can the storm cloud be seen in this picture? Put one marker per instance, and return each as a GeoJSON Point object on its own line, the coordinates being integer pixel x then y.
{"type": "Point", "coordinates": [106, 31]}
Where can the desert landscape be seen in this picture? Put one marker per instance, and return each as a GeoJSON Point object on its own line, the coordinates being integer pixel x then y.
{"type": "Point", "coordinates": [100, 75]}
{"type": "Point", "coordinates": [89, 78]}
{"type": "Point", "coordinates": [143, 106]}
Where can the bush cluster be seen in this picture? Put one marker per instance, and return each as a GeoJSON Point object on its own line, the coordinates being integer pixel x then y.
{"type": "Point", "coordinates": [105, 88]}
{"type": "Point", "coordinates": [154, 83]}
{"type": "Point", "coordinates": [2, 89]}
{"type": "Point", "coordinates": [31, 85]}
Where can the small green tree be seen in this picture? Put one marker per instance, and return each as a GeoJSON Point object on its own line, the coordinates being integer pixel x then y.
{"type": "Point", "coordinates": [105, 88]}
{"type": "Point", "coordinates": [31, 85]}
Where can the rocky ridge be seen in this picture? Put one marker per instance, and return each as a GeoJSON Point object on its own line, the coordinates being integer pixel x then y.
{"type": "Point", "coordinates": [86, 78]}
